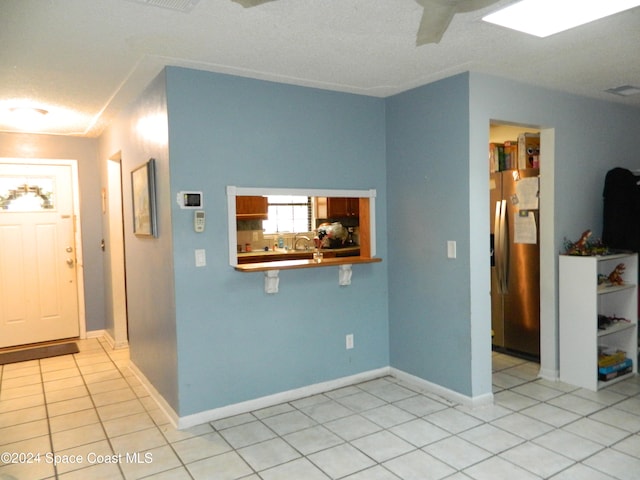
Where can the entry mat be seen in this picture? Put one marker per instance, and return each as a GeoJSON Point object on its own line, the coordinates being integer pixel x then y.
{"type": "Point", "coordinates": [36, 353]}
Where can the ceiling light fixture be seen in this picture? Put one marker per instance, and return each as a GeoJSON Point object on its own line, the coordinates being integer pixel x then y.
{"type": "Point", "coordinates": [28, 111]}
{"type": "Point", "coordinates": [543, 18]}
{"type": "Point", "coordinates": [25, 118]}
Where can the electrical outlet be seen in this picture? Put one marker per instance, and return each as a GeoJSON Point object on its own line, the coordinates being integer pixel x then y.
{"type": "Point", "coordinates": [349, 341]}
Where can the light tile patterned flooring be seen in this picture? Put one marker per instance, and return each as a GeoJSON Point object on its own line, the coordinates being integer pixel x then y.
{"type": "Point", "coordinates": [99, 422]}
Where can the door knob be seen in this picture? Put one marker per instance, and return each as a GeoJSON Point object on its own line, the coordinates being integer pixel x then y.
{"type": "Point", "coordinates": [70, 262]}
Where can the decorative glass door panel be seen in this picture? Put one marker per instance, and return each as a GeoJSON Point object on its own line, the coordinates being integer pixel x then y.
{"type": "Point", "coordinates": [27, 194]}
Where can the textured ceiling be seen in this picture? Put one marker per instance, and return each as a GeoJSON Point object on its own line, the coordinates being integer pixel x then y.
{"type": "Point", "coordinates": [84, 60]}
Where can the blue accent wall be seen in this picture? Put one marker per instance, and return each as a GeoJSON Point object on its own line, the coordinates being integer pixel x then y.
{"type": "Point", "coordinates": [210, 337]}
{"type": "Point", "coordinates": [591, 137]}
{"type": "Point", "coordinates": [139, 134]}
{"type": "Point", "coordinates": [236, 342]}
{"type": "Point", "coordinates": [438, 177]}
{"type": "Point", "coordinates": [428, 204]}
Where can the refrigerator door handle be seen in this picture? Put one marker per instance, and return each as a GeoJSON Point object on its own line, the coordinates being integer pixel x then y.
{"type": "Point", "coordinates": [497, 248]}
{"type": "Point", "coordinates": [504, 234]}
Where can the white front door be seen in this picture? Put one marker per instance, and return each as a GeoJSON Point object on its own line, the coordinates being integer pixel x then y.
{"type": "Point", "coordinates": [38, 285]}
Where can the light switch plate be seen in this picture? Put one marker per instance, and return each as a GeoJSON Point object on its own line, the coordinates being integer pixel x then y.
{"type": "Point", "coordinates": [349, 341]}
{"type": "Point", "coordinates": [201, 257]}
{"type": "Point", "coordinates": [451, 249]}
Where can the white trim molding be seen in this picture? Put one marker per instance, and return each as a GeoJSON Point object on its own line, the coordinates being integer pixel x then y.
{"type": "Point", "coordinates": [447, 394]}
{"type": "Point", "coordinates": [234, 191]}
{"type": "Point", "coordinates": [108, 338]}
{"type": "Point", "coordinates": [278, 398]}
{"type": "Point", "coordinates": [169, 412]}
{"type": "Point", "coordinates": [199, 418]}
{"type": "Point", "coordinates": [97, 334]}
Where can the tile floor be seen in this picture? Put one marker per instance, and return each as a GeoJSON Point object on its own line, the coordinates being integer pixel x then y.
{"type": "Point", "coordinates": [92, 413]}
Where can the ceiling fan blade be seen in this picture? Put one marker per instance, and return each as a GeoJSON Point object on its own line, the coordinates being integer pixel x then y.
{"type": "Point", "coordinates": [435, 20]}
{"type": "Point", "coordinates": [471, 5]}
{"type": "Point", "coordinates": [438, 14]}
{"type": "Point", "coordinates": [251, 3]}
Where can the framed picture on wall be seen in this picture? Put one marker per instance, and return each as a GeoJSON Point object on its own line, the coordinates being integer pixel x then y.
{"type": "Point", "coordinates": [143, 189]}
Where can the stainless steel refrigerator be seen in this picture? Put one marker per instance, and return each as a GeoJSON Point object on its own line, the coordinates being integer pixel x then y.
{"type": "Point", "coordinates": [515, 262]}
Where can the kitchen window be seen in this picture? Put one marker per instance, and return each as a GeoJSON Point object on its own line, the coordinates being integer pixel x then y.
{"type": "Point", "coordinates": [288, 213]}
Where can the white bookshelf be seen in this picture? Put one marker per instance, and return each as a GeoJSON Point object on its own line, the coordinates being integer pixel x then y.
{"type": "Point", "coordinates": [582, 299]}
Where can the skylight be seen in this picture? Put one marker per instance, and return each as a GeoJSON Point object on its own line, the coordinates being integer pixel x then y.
{"type": "Point", "coordinates": [543, 18]}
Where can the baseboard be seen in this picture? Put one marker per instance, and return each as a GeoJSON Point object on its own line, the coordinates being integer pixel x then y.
{"type": "Point", "coordinates": [169, 412]}
{"type": "Point", "coordinates": [254, 404]}
{"type": "Point", "coordinates": [298, 393]}
{"type": "Point", "coordinates": [451, 395]}
{"type": "Point", "coordinates": [112, 342]}
{"type": "Point", "coordinates": [96, 334]}
{"type": "Point", "coordinates": [109, 339]}
{"type": "Point", "coordinates": [278, 398]}
{"type": "Point", "coordinates": [549, 374]}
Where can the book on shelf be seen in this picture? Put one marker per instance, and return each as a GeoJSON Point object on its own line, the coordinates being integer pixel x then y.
{"type": "Point", "coordinates": [627, 362]}
{"type": "Point", "coordinates": [524, 152]}
{"type": "Point", "coordinates": [604, 377]}
{"type": "Point", "coordinates": [606, 359]}
{"type": "Point", "coordinates": [510, 155]}
{"type": "Point", "coordinates": [496, 157]}
{"type": "Point", "coordinates": [613, 371]}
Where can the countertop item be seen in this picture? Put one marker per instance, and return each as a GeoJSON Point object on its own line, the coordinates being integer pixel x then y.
{"type": "Point", "coordinates": [282, 251]}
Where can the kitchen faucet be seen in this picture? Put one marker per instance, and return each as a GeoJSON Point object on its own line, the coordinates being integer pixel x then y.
{"type": "Point", "coordinates": [302, 237]}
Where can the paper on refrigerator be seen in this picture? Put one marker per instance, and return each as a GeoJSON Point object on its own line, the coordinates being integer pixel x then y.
{"type": "Point", "coordinates": [527, 193]}
{"type": "Point", "coordinates": [525, 229]}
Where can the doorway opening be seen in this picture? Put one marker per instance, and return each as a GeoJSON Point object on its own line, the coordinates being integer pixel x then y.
{"type": "Point", "coordinates": [514, 167]}
{"type": "Point", "coordinates": [548, 298]}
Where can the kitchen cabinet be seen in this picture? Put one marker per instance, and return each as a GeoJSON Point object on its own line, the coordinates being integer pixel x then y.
{"type": "Point", "coordinates": [596, 314]}
{"type": "Point", "coordinates": [343, 207]}
{"type": "Point", "coordinates": [252, 208]}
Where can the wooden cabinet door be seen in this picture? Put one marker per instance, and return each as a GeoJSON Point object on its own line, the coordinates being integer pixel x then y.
{"type": "Point", "coordinates": [252, 208]}
{"type": "Point", "coordinates": [342, 207]}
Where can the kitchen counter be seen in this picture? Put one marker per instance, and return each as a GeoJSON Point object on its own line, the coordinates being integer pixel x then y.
{"type": "Point", "coordinates": [304, 263]}
{"type": "Point", "coordinates": [279, 255]}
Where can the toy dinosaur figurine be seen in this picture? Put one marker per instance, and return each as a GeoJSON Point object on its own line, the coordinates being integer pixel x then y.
{"type": "Point", "coordinates": [581, 246]}
{"type": "Point", "coordinates": [615, 277]}
{"type": "Point", "coordinates": [585, 246]}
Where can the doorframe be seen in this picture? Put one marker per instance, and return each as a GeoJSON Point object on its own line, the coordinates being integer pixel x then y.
{"type": "Point", "coordinates": [118, 287]}
{"type": "Point", "coordinates": [549, 328]}
{"type": "Point", "coordinates": [77, 234]}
